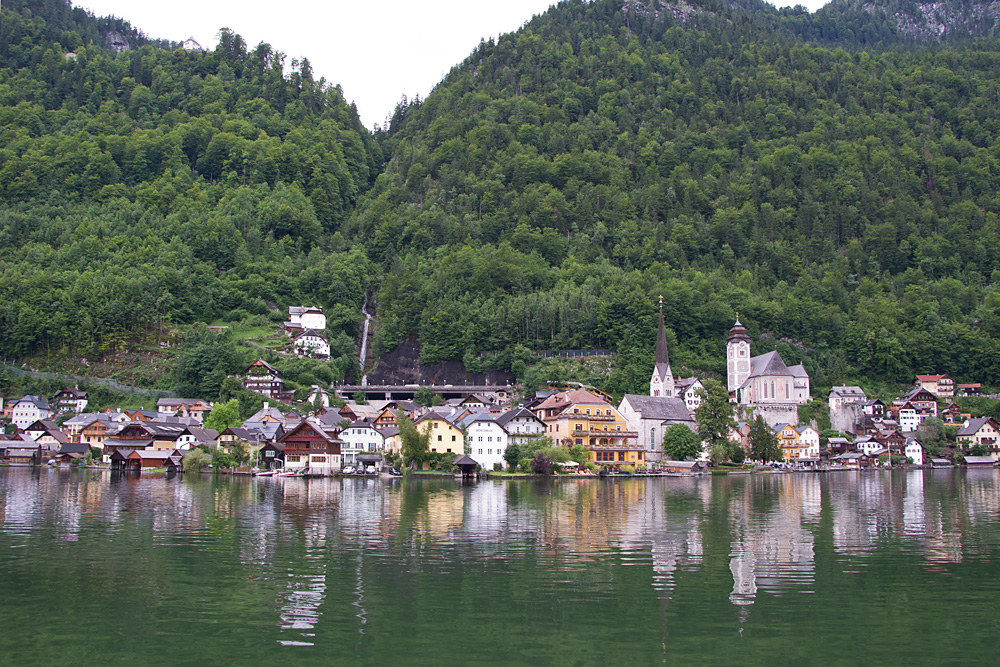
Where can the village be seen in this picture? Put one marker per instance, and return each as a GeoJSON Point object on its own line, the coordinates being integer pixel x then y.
{"type": "Point", "coordinates": [482, 429]}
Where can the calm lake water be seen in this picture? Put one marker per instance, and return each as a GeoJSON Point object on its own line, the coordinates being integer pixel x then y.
{"type": "Point", "coordinates": [843, 568]}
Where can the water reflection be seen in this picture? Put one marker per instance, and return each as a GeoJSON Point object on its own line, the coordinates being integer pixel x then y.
{"type": "Point", "coordinates": [303, 559]}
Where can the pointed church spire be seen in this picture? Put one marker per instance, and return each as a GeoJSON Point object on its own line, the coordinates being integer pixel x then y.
{"type": "Point", "coordinates": [661, 342]}
{"type": "Point", "coordinates": [662, 381]}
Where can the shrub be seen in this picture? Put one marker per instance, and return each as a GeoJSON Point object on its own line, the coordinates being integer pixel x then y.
{"type": "Point", "coordinates": [195, 459]}
{"type": "Point", "coordinates": [497, 467]}
{"type": "Point", "coordinates": [541, 464]}
{"type": "Point", "coordinates": [628, 470]}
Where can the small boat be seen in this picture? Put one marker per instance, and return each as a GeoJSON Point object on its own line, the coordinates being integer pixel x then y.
{"type": "Point", "coordinates": [265, 473]}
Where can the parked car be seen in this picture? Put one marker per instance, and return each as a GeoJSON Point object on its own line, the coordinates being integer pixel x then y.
{"type": "Point", "coordinates": [349, 470]}
{"type": "Point", "coordinates": [370, 470]}
{"type": "Point", "coordinates": [394, 472]}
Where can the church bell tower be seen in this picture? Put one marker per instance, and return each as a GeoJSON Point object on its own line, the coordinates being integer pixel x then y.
{"type": "Point", "coordinates": [662, 382]}
{"type": "Point", "coordinates": [737, 356]}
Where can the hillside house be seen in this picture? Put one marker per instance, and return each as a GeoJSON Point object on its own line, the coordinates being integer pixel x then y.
{"type": "Point", "coordinates": [29, 409]}
{"type": "Point", "coordinates": [311, 343]}
{"type": "Point", "coordinates": [941, 386]}
{"type": "Point", "coordinates": [70, 400]}
{"type": "Point", "coordinates": [305, 317]}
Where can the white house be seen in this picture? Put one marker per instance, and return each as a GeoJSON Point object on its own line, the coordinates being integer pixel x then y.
{"type": "Point", "coordinates": [485, 439]}
{"type": "Point", "coordinates": [842, 395]}
{"type": "Point", "coordinates": [909, 418]}
{"type": "Point", "coordinates": [311, 343]}
{"type": "Point", "coordinates": [360, 437]}
{"type": "Point", "coordinates": [28, 410]}
{"type": "Point", "coordinates": [807, 441]}
{"type": "Point", "coordinates": [521, 425]}
{"type": "Point", "coordinates": [914, 451]}
{"type": "Point", "coordinates": [689, 390]}
{"type": "Point", "coordinates": [306, 317]}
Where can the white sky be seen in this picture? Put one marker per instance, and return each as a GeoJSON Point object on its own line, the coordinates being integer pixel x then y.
{"type": "Point", "coordinates": [377, 52]}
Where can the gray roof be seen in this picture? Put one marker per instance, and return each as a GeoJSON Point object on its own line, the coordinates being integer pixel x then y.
{"type": "Point", "coordinates": [979, 460]}
{"type": "Point", "coordinates": [973, 426]}
{"type": "Point", "coordinates": [506, 417]}
{"type": "Point", "coordinates": [659, 407]}
{"type": "Point", "coordinates": [74, 448]}
{"type": "Point", "coordinates": [769, 363]}
{"type": "Point", "coordinates": [848, 390]}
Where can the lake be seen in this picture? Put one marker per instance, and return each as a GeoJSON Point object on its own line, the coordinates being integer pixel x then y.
{"type": "Point", "coordinates": [838, 568]}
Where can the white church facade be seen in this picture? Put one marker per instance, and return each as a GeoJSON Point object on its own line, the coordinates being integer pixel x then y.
{"type": "Point", "coordinates": [764, 383]}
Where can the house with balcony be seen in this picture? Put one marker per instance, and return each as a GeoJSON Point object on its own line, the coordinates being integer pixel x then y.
{"type": "Point", "coordinates": [582, 418]}
{"type": "Point", "coordinates": [309, 446]}
{"type": "Point", "coordinates": [940, 386]}
{"type": "Point", "coordinates": [983, 431]}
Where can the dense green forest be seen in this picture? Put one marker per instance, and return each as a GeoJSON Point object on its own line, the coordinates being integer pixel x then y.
{"type": "Point", "coordinates": [830, 176]}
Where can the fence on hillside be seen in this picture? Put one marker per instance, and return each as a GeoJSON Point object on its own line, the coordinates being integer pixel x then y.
{"type": "Point", "coordinates": [557, 353]}
{"type": "Point", "coordinates": [9, 366]}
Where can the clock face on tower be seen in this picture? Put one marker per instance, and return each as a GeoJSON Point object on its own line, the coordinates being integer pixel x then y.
{"type": "Point", "coordinates": [743, 366]}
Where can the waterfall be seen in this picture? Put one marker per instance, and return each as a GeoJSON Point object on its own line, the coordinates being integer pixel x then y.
{"type": "Point", "coordinates": [363, 357]}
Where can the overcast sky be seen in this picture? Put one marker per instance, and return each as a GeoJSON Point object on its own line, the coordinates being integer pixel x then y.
{"type": "Point", "coordinates": [377, 52]}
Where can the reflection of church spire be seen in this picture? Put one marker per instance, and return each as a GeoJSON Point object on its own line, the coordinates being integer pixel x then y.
{"type": "Point", "coordinates": [662, 382]}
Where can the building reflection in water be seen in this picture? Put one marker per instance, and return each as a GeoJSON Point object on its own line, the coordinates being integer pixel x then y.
{"type": "Point", "coordinates": [772, 546]}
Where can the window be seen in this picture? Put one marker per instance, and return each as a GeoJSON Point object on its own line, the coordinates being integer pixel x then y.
{"type": "Point", "coordinates": [449, 450]}
{"type": "Point", "coordinates": [439, 438]}
{"type": "Point", "coordinates": [609, 413]}
{"type": "Point", "coordinates": [453, 440]}
{"type": "Point", "coordinates": [621, 456]}
{"type": "Point", "coordinates": [480, 451]}
{"type": "Point", "coordinates": [588, 411]}
{"type": "Point", "coordinates": [579, 441]}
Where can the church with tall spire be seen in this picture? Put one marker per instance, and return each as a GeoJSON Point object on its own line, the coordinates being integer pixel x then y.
{"type": "Point", "coordinates": [662, 382]}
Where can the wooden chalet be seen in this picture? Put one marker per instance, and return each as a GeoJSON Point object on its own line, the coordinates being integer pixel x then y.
{"type": "Point", "coordinates": [263, 378]}
{"type": "Point", "coordinates": [130, 437]}
{"type": "Point", "coordinates": [309, 446]}
{"type": "Point", "coordinates": [271, 456]}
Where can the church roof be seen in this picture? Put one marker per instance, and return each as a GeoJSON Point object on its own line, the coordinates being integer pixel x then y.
{"type": "Point", "coordinates": [658, 407]}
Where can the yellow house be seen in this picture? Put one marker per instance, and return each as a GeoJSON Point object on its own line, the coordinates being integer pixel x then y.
{"type": "Point", "coordinates": [788, 438]}
{"type": "Point", "coordinates": [581, 418]}
{"type": "Point", "coordinates": [446, 436]}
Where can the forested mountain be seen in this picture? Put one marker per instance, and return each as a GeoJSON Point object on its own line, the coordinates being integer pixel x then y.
{"type": "Point", "coordinates": [158, 186]}
{"type": "Point", "coordinates": [561, 178]}
{"type": "Point", "coordinates": [831, 176]}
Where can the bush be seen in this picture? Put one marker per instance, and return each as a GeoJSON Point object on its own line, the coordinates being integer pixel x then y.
{"type": "Point", "coordinates": [628, 470]}
{"type": "Point", "coordinates": [541, 464]}
{"type": "Point", "coordinates": [195, 459]}
{"type": "Point", "coordinates": [497, 467]}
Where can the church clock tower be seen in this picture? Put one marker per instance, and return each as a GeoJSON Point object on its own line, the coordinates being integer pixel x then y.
{"type": "Point", "coordinates": [662, 382]}
{"type": "Point", "coordinates": [737, 356]}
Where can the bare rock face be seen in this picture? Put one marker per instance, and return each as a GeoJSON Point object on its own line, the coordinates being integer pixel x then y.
{"type": "Point", "coordinates": [934, 21]}
{"type": "Point", "coordinates": [117, 42]}
{"type": "Point", "coordinates": [402, 366]}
